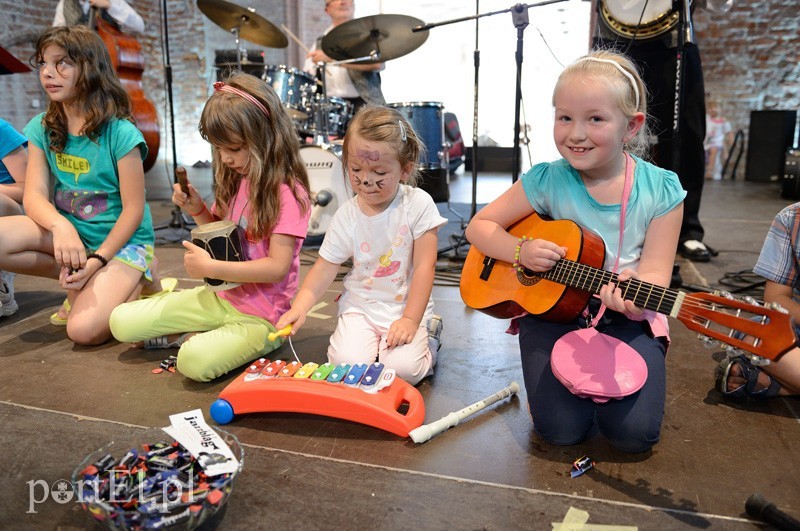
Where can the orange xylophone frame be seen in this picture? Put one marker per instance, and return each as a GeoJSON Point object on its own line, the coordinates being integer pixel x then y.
{"type": "Point", "coordinates": [300, 395]}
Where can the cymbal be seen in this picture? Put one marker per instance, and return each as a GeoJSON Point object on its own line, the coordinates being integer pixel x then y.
{"type": "Point", "coordinates": [252, 26]}
{"type": "Point", "coordinates": [389, 35]}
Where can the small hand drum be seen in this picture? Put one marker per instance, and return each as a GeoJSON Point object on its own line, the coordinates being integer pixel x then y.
{"type": "Point", "coordinates": [222, 241]}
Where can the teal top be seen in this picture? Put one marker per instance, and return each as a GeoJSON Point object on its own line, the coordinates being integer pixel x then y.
{"type": "Point", "coordinates": [87, 190]}
{"type": "Point", "coordinates": [555, 189]}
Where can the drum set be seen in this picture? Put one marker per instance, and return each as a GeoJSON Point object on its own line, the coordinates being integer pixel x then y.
{"type": "Point", "coordinates": [321, 120]}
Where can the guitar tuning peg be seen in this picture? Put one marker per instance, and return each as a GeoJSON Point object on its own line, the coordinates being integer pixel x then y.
{"type": "Point", "coordinates": [778, 307]}
{"type": "Point", "coordinates": [758, 361]}
{"type": "Point", "coordinates": [751, 300]}
{"type": "Point", "coordinates": [726, 294]}
{"type": "Point", "coordinates": [708, 342]}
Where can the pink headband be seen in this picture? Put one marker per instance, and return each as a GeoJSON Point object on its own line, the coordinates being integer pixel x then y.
{"type": "Point", "coordinates": [220, 86]}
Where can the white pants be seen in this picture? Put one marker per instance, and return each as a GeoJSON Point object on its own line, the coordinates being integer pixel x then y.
{"type": "Point", "coordinates": [357, 340]}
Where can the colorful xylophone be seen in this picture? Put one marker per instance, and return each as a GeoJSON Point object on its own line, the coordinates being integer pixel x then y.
{"type": "Point", "coordinates": [367, 394]}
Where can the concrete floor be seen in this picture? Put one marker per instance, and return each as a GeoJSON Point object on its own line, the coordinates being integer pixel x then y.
{"type": "Point", "coordinates": [58, 402]}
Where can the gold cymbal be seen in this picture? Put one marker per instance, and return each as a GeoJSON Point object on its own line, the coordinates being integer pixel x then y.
{"type": "Point", "coordinates": [252, 26]}
{"type": "Point", "coordinates": [388, 35]}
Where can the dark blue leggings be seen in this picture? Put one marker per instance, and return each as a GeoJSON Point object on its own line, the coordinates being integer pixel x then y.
{"type": "Point", "coordinates": [631, 424]}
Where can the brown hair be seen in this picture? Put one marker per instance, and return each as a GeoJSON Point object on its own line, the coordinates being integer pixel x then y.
{"type": "Point", "coordinates": [100, 93]}
{"type": "Point", "coordinates": [229, 119]}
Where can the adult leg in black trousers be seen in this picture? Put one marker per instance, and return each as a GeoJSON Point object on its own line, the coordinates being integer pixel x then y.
{"type": "Point", "coordinates": [657, 63]}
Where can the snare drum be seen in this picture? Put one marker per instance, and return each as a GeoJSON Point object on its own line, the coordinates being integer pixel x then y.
{"type": "Point", "coordinates": [222, 241]}
{"type": "Point", "coordinates": [427, 119]}
{"type": "Point", "coordinates": [294, 87]}
{"type": "Point", "coordinates": [329, 187]}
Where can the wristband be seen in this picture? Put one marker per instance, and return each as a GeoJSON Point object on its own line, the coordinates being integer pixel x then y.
{"type": "Point", "coordinates": [516, 265]}
{"type": "Point", "coordinates": [99, 257]}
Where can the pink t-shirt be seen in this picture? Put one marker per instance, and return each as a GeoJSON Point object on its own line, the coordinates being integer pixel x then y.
{"type": "Point", "coordinates": [265, 300]}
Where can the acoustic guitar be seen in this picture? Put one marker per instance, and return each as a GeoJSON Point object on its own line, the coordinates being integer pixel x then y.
{"type": "Point", "coordinates": [560, 294]}
{"type": "Point", "coordinates": [128, 61]}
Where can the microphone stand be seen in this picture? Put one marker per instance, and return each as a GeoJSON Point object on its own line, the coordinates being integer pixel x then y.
{"type": "Point", "coordinates": [178, 222]}
{"type": "Point", "coordinates": [520, 15]}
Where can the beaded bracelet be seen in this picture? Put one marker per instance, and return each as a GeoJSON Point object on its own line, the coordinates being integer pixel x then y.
{"type": "Point", "coordinates": [99, 257]}
{"type": "Point", "coordinates": [516, 265]}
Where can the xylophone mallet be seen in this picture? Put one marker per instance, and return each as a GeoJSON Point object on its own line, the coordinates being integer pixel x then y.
{"type": "Point", "coordinates": [428, 431]}
{"type": "Point", "coordinates": [285, 331]}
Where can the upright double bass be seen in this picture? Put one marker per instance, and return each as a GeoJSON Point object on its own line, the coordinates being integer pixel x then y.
{"type": "Point", "coordinates": [128, 61]}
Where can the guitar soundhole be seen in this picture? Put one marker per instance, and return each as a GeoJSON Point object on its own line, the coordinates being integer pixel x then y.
{"type": "Point", "coordinates": [527, 277]}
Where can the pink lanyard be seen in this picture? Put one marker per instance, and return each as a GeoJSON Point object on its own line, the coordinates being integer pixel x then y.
{"type": "Point", "coordinates": [626, 192]}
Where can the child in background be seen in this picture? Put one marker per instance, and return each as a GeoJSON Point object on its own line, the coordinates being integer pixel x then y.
{"type": "Point", "coordinates": [778, 264]}
{"type": "Point", "coordinates": [97, 238]}
{"type": "Point", "coordinates": [600, 114]}
{"type": "Point", "coordinates": [13, 163]}
{"type": "Point", "coordinates": [718, 140]}
{"type": "Point", "coordinates": [389, 230]}
{"type": "Point", "coordinates": [261, 185]}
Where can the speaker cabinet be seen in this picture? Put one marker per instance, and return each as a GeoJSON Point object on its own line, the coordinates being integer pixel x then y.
{"type": "Point", "coordinates": [771, 134]}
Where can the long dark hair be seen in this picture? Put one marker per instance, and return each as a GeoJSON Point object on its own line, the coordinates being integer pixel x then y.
{"type": "Point", "coordinates": [271, 141]}
{"type": "Point", "coordinates": [100, 93]}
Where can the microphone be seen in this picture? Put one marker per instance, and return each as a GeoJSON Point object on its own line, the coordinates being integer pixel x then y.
{"type": "Point", "coordinates": [758, 507]}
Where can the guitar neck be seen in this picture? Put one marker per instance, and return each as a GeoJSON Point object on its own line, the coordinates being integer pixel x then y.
{"type": "Point", "coordinates": [643, 294]}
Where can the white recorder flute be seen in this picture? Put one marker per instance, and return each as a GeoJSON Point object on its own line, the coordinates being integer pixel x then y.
{"type": "Point", "coordinates": [428, 431]}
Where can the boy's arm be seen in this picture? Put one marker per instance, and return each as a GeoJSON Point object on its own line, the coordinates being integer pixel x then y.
{"type": "Point", "coordinates": [781, 294]}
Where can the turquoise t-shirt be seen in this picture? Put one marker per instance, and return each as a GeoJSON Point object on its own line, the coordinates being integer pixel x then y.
{"type": "Point", "coordinates": [87, 190]}
{"type": "Point", "coordinates": [555, 189]}
{"type": "Point", "coordinates": [10, 140]}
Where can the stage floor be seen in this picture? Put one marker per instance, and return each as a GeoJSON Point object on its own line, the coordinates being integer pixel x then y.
{"type": "Point", "coordinates": [58, 402]}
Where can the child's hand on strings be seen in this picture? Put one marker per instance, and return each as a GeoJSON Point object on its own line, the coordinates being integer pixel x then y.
{"type": "Point", "coordinates": [186, 196]}
{"type": "Point", "coordinates": [197, 261]}
{"type": "Point", "coordinates": [401, 332]}
{"type": "Point", "coordinates": [293, 317]}
{"type": "Point", "coordinates": [611, 295]}
{"type": "Point", "coordinates": [540, 255]}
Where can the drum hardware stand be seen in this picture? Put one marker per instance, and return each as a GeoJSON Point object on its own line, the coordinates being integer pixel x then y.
{"type": "Point", "coordinates": [179, 221]}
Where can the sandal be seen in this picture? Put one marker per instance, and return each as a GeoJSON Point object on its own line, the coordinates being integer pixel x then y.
{"type": "Point", "coordinates": [164, 342]}
{"type": "Point", "coordinates": [168, 285]}
{"type": "Point", "coordinates": [57, 319]}
{"type": "Point", "coordinates": [750, 374]}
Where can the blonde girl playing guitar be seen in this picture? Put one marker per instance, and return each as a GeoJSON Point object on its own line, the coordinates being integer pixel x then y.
{"type": "Point", "coordinates": [600, 115]}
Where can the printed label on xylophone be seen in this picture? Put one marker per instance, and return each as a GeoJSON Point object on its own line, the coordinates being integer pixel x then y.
{"type": "Point", "coordinates": [369, 378]}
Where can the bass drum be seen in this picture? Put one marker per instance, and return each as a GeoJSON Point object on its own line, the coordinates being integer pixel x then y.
{"type": "Point", "coordinates": [329, 187]}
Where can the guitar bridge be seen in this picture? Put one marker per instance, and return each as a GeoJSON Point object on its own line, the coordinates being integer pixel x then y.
{"type": "Point", "coordinates": [488, 265]}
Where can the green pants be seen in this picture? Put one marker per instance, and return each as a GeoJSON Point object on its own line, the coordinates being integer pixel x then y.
{"type": "Point", "coordinates": [225, 339]}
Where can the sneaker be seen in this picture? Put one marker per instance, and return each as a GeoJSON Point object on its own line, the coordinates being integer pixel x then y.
{"type": "Point", "coordinates": [435, 327]}
{"type": "Point", "coordinates": [8, 306]}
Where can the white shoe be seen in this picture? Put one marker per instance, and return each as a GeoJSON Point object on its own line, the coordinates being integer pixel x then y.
{"type": "Point", "coordinates": [8, 306]}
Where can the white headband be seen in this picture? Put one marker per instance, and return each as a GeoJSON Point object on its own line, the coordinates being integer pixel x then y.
{"type": "Point", "coordinates": [622, 70]}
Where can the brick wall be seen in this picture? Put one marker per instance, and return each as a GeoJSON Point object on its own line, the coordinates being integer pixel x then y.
{"type": "Point", "coordinates": [750, 56]}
